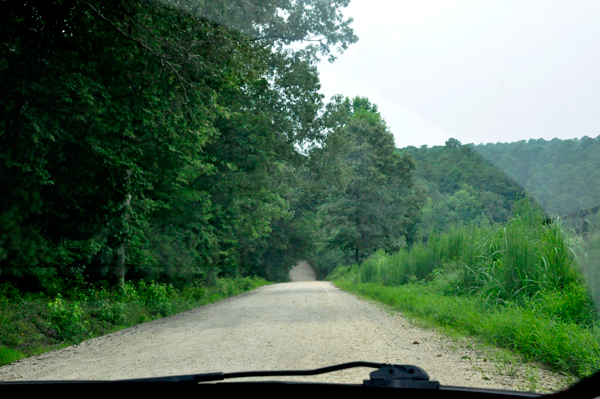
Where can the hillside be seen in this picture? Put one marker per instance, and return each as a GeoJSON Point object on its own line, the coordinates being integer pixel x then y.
{"type": "Point", "coordinates": [561, 175]}
{"type": "Point", "coordinates": [482, 182]}
{"type": "Point", "coordinates": [462, 186]}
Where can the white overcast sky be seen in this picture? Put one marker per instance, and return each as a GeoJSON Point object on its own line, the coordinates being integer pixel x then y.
{"type": "Point", "coordinates": [478, 71]}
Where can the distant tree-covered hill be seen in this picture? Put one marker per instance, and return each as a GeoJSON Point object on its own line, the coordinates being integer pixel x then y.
{"type": "Point", "coordinates": [482, 182]}
{"type": "Point", "coordinates": [462, 186]}
{"type": "Point", "coordinates": [562, 175]}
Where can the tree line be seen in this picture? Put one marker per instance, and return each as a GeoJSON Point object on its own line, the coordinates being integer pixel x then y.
{"type": "Point", "coordinates": [488, 183]}
{"type": "Point", "coordinates": [559, 174]}
{"type": "Point", "coordinates": [186, 140]}
{"type": "Point", "coordinates": [463, 187]}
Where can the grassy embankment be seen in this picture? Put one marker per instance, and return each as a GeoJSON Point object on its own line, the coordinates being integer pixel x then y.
{"type": "Point", "coordinates": [35, 323]}
{"type": "Point", "coordinates": [519, 286]}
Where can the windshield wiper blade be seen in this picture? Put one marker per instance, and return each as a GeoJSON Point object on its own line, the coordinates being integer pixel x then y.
{"type": "Point", "coordinates": [386, 375]}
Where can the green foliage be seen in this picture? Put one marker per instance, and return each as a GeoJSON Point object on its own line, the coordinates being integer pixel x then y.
{"type": "Point", "coordinates": [105, 307]}
{"type": "Point", "coordinates": [364, 192]}
{"type": "Point", "coordinates": [564, 345]}
{"type": "Point", "coordinates": [67, 319]}
{"type": "Point", "coordinates": [572, 304]}
{"type": "Point", "coordinates": [502, 263]}
{"type": "Point", "coordinates": [32, 324]}
{"type": "Point", "coordinates": [157, 297]}
{"type": "Point", "coordinates": [8, 355]}
{"type": "Point", "coordinates": [111, 313]}
{"type": "Point", "coordinates": [519, 285]}
{"type": "Point", "coordinates": [154, 141]}
{"type": "Point", "coordinates": [462, 187]}
{"type": "Point", "coordinates": [128, 293]}
{"type": "Point", "coordinates": [231, 287]}
{"type": "Point", "coordinates": [196, 291]}
{"type": "Point", "coordinates": [557, 173]}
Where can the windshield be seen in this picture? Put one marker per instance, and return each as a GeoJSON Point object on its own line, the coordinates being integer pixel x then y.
{"type": "Point", "coordinates": [195, 186]}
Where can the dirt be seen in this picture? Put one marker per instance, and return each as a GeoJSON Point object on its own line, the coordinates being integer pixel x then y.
{"type": "Point", "coordinates": [299, 325]}
{"type": "Point", "coordinates": [302, 272]}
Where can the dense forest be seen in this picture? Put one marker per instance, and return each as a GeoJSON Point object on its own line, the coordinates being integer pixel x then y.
{"type": "Point", "coordinates": [188, 141]}
{"type": "Point", "coordinates": [462, 186]}
{"type": "Point", "coordinates": [185, 141]}
{"type": "Point", "coordinates": [485, 183]}
{"type": "Point", "coordinates": [559, 174]}
{"type": "Point", "coordinates": [156, 156]}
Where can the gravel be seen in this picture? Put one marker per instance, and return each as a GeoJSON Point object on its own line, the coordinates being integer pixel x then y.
{"type": "Point", "coordinates": [302, 272]}
{"type": "Point", "coordinates": [298, 325]}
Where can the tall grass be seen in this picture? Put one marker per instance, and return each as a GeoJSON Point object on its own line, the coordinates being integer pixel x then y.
{"type": "Point", "coordinates": [520, 285]}
{"type": "Point", "coordinates": [565, 346]}
{"type": "Point", "coordinates": [503, 263]}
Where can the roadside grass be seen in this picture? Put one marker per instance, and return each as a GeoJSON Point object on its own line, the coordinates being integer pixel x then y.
{"type": "Point", "coordinates": [31, 324]}
{"type": "Point", "coordinates": [566, 347]}
{"type": "Point", "coordinates": [523, 285]}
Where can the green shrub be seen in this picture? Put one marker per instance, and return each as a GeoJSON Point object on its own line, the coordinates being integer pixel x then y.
{"type": "Point", "coordinates": [157, 297]}
{"type": "Point", "coordinates": [196, 291]}
{"type": "Point", "coordinates": [227, 286]}
{"type": "Point", "coordinates": [67, 319]}
{"type": "Point", "coordinates": [340, 272]}
{"type": "Point", "coordinates": [128, 293]}
{"type": "Point", "coordinates": [110, 312]}
{"type": "Point", "coordinates": [245, 283]}
{"type": "Point", "coordinates": [32, 322]}
{"type": "Point", "coordinates": [8, 355]}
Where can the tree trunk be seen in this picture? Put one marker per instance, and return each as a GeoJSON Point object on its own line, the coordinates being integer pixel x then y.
{"type": "Point", "coordinates": [122, 254]}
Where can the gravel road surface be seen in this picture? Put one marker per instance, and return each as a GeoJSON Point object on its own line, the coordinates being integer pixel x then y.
{"type": "Point", "coordinates": [298, 325]}
{"type": "Point", "coordinates": [302, 272]}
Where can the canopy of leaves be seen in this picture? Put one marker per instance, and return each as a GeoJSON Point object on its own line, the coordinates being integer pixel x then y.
{"type": "Point", "coordinates": [151, 138]}
{"type": "Point", "coordinates": [462, 186]}
{"type": "Point", "coordinates": [364, 188]}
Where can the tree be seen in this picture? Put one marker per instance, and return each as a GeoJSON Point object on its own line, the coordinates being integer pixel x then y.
{"type": "Point", "coordinates": [368, 198]}
{"type": "Point", "coordinates": [463, 186]}
{"type": "Point", "coordinates": [453, 143]}
{"type": "Point", "coordinates": [112, 123]}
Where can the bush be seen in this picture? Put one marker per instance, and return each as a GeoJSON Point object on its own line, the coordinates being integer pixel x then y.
{"type": "Point", "coordinates": [227, 286]}
{"type": "Point", "coordinates": [571, 304]}
{"type": "Point", "coordinates": [128, 293]}
{"type": "Point", "coordinates": [33, 322]}
{"type": "Point", "coordinates": [67, 319]}
{"type": "Point", "coordinates": [8, 355]}
{"type": "Point", "coordinates": [157, 297]}
{"type": "Point", "coordinates": [110, 312]}
{"type": "Point", "coordinates": [196, 291]}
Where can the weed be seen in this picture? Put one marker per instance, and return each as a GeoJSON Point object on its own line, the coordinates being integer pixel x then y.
{"type": "Point", "coordinates": [516, 285]}
{"type": "Point", "coordinates": [507, 366]}
{"type": "Point", "coordinates": [532, 378]}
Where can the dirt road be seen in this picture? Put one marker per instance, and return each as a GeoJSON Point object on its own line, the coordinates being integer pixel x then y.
{"type": "Point", "coordinates": [302, 272]}
{"type": "Point", "coordinates": [296, 325]}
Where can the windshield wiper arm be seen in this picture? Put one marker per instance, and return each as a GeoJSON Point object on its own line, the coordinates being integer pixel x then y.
{"type": "Point", "coordinates": [386, 375]}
